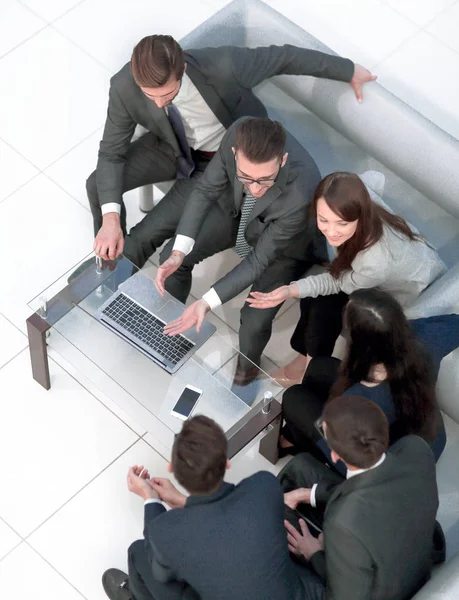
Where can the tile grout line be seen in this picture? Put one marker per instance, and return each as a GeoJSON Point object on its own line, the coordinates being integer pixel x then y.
{"type": "Point", "coordinates": [55, 18]}
{"type": "Point", "coordinates": [54, 568]}
{"type": "Point", "coordinates": [26, 538]}
{"type": "Point", "coordinates": [101, 64]}
{"type": "Point", "coordinates": [45, 26]}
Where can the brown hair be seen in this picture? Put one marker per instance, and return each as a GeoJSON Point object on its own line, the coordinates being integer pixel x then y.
{"type": "Point", "coordinates": [379, 333]}
{"type": "Point", "coordinates": [356, 429]}
{"type": "Point", "coordinates": [346, 195]}
{"type": "Point", "coordinates": [199, 455]}
{"type": "Point", "coordinates": [156, 59]}
{"type": "Point", "coordinates": [260, 140]}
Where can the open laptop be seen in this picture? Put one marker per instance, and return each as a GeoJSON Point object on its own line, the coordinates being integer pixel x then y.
{"type": "Point", "coordinates": [137, 312]}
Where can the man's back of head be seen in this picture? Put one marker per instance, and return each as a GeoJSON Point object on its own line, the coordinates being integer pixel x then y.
{"type": "Point", "coordinates": [199, 456]}
{"type": "Point", "coordinates": [356, 430]}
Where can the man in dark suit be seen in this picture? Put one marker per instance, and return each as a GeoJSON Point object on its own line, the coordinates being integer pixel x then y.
{"type": "Point", "coordinates": [254, 197]}
{"type": "Point", "coordinates": [378, 524]}
{"type": "Point", "coordinates": [223, 542]}
{"type": "Point", "coordinates": [186, 101]}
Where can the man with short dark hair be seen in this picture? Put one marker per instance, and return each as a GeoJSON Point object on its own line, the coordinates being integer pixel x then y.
{"type": "Point", "coordinates": [186, 100]}
{"type": "Point", "coordinates": [224, 541]}
{"type": "Point", "coordinates": [253, 197]}
{"type": "Point", "coordinates": [378, 524]}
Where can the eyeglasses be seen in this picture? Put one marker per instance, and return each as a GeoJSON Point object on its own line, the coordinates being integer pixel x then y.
{"type": "Point", "coordinates": [262, 182]}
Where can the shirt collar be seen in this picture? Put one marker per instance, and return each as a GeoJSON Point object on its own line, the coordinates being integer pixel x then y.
{"type": "Point", "coordinates": [184, 89]}
{"type": "Point", "coordinates": [350, 474]}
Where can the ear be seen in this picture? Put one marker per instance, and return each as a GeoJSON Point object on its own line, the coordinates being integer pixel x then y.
{"type": "Point", "coordinates": [284, 159]}
{"type": "Point", "coordinates": [228, 464]}
{"type": "Point", "coordinates": [335, 457]}
{"type": "Point", "coordinates": [234, 150]}
{"type": "Point", "coordinates": [169, 468]}
{"type": "Point", "coordinates": [184, 68]}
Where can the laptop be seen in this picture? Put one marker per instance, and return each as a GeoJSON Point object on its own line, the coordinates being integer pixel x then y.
{"type": "Point", "coordinates": [138, 313]}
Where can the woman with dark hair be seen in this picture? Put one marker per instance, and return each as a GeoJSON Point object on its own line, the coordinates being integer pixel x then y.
{"type": "Point", "coordinates": [374, 248]}
{"type": "Point", "coordinates": [389, 360]}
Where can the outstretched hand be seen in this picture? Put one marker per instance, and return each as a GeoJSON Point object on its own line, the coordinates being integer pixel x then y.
{"type": "Point", "coordinates": [193, 315]}
{"type": "Point", "coordinates": [168, 267]}
{"type": "Point", "coordinates": [361, 76]}
{"type": "Point", "coordinates": [261, 300]}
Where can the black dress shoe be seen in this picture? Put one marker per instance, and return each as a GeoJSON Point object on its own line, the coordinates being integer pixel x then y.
{"type": "Point", "coordinates": [245, 377]}
{"type": "Point", "coordinates": [116, 585]}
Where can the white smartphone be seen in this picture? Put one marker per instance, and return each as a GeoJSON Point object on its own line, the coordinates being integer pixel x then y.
{"type": "Point", "coordinates": [186, 403]}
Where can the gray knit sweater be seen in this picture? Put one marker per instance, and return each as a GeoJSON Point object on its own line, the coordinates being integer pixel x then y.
{"type": "Point", "coordinates": [394, 264]}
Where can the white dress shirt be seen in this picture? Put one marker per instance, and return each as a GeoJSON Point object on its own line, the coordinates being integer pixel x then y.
{"type": "Point", "coordinates": [202, 128]}
{"type": "Point", "coordinates": [349, 474]}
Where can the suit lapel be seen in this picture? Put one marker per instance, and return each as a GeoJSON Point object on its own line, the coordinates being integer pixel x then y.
{"type": "Point", "coordinates": [271, 195]}
{"type": "Point", "coordinates": [160, 117]}
{"type": "Point", "coordinates": [209, 94]}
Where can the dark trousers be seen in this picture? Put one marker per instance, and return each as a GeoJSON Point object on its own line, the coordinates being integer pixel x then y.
{"type": "Point", "coordinates": [150, 161]}
{"type": "Point", "coordinates": [319, 325]}
{"type": "Point", "coordinates": [304, 471]}
{"type": "Point", "coordinates": [302, 405]}
{"type": "Point", "coordinates": [144, 586]}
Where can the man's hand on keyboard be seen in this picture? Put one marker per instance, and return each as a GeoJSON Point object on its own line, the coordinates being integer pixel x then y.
{"type": "Point", "coordinates": [193, 315]}
{"type": "Point", "coordinates": [168, 267]}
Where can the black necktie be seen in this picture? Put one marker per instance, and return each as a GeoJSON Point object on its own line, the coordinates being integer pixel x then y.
{"type": "Point", "coordinates": [185, 163]}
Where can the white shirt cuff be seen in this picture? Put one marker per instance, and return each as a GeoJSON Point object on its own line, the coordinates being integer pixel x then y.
{"type": "Point", "coordinates": [111, 207]}
{"type": "Point", "coordinates": [183, 243]}
{"type": "Point", "coordinates": [313, 496]}
{"type": "Point", "coordinates": [153, 501]}
{"type": "Point", "coordinates": [212, 299]}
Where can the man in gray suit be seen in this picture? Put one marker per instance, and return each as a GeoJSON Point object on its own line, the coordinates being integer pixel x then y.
{"type": "Point", "coordinates": [186, 101]}
{"type": "Point", "coordinates": [254, 197]}
{"type": "Point", "coordinates": [378, 524]}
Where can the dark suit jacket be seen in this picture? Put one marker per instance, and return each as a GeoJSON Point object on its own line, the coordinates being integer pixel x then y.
{"type": "Point", "coordinates": [378, 527]}
{"type": "Point", "coordinates": [279, 224]}
{"type": "Point", "coordinates": [224, 77]}
{"type": "Point", "coordinates": [230, 545]}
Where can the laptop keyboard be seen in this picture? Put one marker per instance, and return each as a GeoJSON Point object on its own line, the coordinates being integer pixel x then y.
{"type": "Point", "coordinates": [147, 328]}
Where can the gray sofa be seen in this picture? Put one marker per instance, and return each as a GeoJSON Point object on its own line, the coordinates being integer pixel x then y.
{"type": "Point", "coordinates": [420, 163]}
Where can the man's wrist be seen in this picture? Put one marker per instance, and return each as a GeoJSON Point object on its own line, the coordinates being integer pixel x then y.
{"type": "Point", "coordinates": [306, 495]}
{"type": "Point", "coordinates": [178, 253]}
{"type": "Point", "coordinates": [111, 217]}
{"type": "Point", "coordinates": [149, 495]}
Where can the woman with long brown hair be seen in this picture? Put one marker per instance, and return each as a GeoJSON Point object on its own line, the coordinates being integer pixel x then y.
{"type": "Point", "coordinates": [374, 248]}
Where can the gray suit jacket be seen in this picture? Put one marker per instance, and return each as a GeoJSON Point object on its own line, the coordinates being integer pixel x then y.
{"type": "Point", "coordinates": [378, 528]}
{"type": "Point", "coordinates": [279, 223]}
{"type": "Point", "coordinates": [224, 77]}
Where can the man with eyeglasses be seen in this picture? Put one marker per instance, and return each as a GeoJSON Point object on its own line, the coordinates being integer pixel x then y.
{"type": "Point", "coordinates": [186, 100]}
{"type": "Point", "coordinates": [253, 197]}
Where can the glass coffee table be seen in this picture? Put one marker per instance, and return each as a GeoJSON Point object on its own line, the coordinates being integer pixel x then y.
{"type": "Point", "coordinates": [64, 320]}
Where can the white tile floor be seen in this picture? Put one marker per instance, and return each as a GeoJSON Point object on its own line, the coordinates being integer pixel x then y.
{"type": "Point", "coordinates": [65, 514]}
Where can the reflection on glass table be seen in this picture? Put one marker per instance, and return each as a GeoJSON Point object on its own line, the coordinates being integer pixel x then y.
{"type": "Point", "coordinates": [86, 305]}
